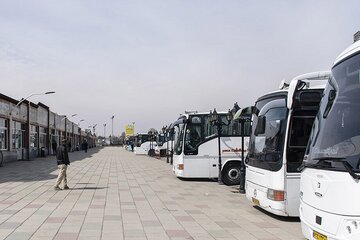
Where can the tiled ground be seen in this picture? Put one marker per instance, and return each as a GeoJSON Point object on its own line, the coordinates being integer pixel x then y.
{"type": "Point", "coordinates": [117, 195]}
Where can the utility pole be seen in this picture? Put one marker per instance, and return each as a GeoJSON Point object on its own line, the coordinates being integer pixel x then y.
{"type": "Point", "coordinates": [112, 130]}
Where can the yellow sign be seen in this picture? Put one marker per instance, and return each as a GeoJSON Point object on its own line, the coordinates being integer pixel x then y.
{"type": "Point", "coordinates": [129, 130]}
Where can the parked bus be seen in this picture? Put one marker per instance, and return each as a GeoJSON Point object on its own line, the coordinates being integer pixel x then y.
{"type": "Point", "coordinates": [170, 143]}
{"type": "Point", "coordinates": [196, 148]}
{"type": "Point", "coordinates": [330, 180]}
{"type": "Point", "coordinates": [161, 147]}
{"type": "Point", "coordinates": [144, 143]}
{"type": "Point", "coordinates": [278, 142]}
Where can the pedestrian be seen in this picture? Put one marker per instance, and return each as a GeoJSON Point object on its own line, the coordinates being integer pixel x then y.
{"type": "Point", "coordinates": [54, 146]}
{"type": "Point", "coordinates": [63, 161]}
{"type": "Point", "coordinates": [69, 145]}
{"type": "Point", "coordinates": [85, 145]}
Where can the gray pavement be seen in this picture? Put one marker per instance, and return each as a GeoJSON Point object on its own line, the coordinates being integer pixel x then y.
{"type": "Point", "coordinates": [117, 195]}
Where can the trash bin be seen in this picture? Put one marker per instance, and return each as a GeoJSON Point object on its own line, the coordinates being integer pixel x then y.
{"type": "Point", "coordinates": [42, 152]}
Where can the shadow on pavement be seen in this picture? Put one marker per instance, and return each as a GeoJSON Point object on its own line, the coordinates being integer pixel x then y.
{"type": "Point", "coordinates": [280, 218]}
{"type": "Point", "coordinates": [39, 169]}
{"type": "Point", "coordinates": [198, 179]}
{"type": "Point", "coordinates": [88, 188]}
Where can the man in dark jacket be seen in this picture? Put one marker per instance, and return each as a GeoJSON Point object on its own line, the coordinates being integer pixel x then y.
{"type": "Point", "coordinates": [63, 161]}
{"type": "Point", "coordinates": [85, 145]}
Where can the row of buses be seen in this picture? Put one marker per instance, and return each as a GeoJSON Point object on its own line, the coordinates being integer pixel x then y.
{"type": "Point", "coordinates": [302, 148]}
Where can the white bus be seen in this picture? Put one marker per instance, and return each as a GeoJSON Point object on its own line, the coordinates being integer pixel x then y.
{"type": "Point", "coordinates": [144, 143]}
{"type": "Point", "coordinates": [330, 180]}
{"type": "Point", "coordinates": [161, 147]}
{"type": "Point", "coordinates": [278, 142]}
{"type": "Point", "coordinates": [196, 148]}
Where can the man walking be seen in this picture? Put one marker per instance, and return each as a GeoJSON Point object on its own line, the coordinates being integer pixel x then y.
{"type": "Point", "coordinates": [62, 158]}
{"type": "Point", "coordinates": [54, 146]}
{"type": "Point", "coordinates": [85, 145]}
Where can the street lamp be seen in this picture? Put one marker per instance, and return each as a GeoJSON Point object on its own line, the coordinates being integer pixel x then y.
{"type": "Point", "coordinates": [94, 126]}
{"type": "Point", "coordinates": [244, 116]}
{"type": "Point", "coordinates": [133, 124]}
{"type": "Point", "coordinates": [166, 138]}
{"type": "Point", "coordinates": [216, 120]}
{"type": "Point", "coordinates": [34, 94]}
{"type": "Point", "coordinates": [80, 122]}
{"type": "Point", "coordinates": [104, 131]}
{"type": "Point", "coordinates": [65, 117]}
{"type": "Point", "coordinates": [112, 130]}
{"type": "Point", "coordinates": [28, 118]}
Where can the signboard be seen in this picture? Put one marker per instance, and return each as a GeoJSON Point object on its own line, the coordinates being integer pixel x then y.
{"type": "Point", "coordinates": [129, 130]}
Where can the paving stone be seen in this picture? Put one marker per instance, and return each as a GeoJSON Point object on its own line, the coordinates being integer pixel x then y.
{"type": "Point", "coordinates": [115, 194]}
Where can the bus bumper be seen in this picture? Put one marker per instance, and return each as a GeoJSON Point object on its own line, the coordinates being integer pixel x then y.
{"type": "Point", "coordinates": [338, 225]}
{"type": "Point", "coordinates": [258, 196]}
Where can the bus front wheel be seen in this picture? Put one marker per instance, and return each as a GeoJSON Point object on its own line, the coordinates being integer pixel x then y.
{"type": "Point", "coordinates": [231, 174]}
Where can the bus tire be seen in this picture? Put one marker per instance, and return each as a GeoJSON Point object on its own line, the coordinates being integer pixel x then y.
{"type": "Point", "coordinates": [231, 174]}
{"type": "Point", "coordinates": [151, 152]}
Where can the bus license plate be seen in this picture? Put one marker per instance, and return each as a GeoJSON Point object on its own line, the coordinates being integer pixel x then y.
{"type": "Point", "coordinates": [319, 236]}
{"type": "Point", "coordinates": [255, 201]}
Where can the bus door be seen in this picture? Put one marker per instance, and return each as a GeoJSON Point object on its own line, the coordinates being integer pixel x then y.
{"type": "Point", "coordinates": [195, 163]}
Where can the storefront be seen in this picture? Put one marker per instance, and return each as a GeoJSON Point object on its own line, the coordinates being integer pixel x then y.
{"type": "Point", "coordinates": [3, 134]}
{"type": "Point", "coordinates": [18, 139]}
{"type": "Point", "coordinates": [28, 130]}
{"type": "Point", "coordinates": [33, 141]}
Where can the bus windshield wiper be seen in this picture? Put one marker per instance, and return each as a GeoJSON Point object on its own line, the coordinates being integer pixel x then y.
{"type": "Point", "coordinates": [347, 165]}
{"type": "Point", "coordinates": [310, 165]}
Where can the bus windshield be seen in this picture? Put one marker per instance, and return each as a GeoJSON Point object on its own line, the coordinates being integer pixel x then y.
{"type": "Point", "coordinates": [335, 137]}
{"type": "Point", "coordinates": [266, 148]}
{"type": "Point", "coordinates": [178, 138]}
{"type": "Point", "coordinates": [141, 138]}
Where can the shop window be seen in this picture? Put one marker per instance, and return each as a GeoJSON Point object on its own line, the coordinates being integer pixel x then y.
{"type": "Point", "coordinates": [3, 134]}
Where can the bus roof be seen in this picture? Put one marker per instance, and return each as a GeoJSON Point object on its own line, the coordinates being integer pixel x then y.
{"type": "Point", "coordinates": [187, 115]}
{"type": "Point", "coordinates": [352, 49]}
{"type": "Point", "coordinates": [315, 80]}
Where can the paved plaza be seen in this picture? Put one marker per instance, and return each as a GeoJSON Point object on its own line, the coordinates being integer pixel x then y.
{"type": "Point", "coordinates": [117, 195]}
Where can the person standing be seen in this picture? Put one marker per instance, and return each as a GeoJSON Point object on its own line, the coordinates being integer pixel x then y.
{"type": "Point", "coordinates": [62, 157]}
{"type": "Point", "coordinates": [69, 145]}
{"type": "Point", "coordinates": [85, 145]}
{"type": "Point", "coordinates": [54, 146]}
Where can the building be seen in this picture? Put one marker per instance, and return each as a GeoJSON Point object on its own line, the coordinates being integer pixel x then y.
{"type": "Point", "coordinates": [29, 130]}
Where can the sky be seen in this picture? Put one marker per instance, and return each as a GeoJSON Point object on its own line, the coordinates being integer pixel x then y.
{"type": "Point", "coordinates": [147, 61]}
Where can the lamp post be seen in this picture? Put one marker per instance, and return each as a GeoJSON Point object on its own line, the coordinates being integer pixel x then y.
{"type": "Point", "coordinates": [104, 132]}
{"type": "Point", "coordinates": [112, 130]}
{"type": "Point", "coordinates": [133, 124]}
{"type": "Point", "coordinates": [172, 144]}
{"type": "Point", "coordinates": [28, 118]}
{"type": "Point", "coordinates": [215, 120]}
{"type": "Point", "coordinates": [244, 116]}
{"type": "Point", "coordinates": [80, 122]}
{"type": "Point", "coordinates": [165, 132]}
{"type": "Point", "coordinates": [67, 118]}
{"type": "Point", "coordinates": [94, 128]}
{"type": "Point", "coordinates": [34, 94]}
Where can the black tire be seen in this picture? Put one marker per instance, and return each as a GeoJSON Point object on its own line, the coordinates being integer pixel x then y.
{"type": "Point", "coordinates": [231, 174]}
{"type": "Point", "coordinates": [151, 152]}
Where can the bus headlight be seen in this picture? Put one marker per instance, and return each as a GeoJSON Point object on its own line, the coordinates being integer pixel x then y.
{"type": "Point", "coordinates": [180, 166]}
{"type": "Point", "coordinates": [275, 195]}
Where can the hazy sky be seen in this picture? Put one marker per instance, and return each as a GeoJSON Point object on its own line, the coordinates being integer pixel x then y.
{"type": "Point", "coordinates": [148, 61]}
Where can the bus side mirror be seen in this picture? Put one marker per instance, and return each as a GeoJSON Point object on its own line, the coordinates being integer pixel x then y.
{"type": "Point", "coordinates": [260, 126]}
